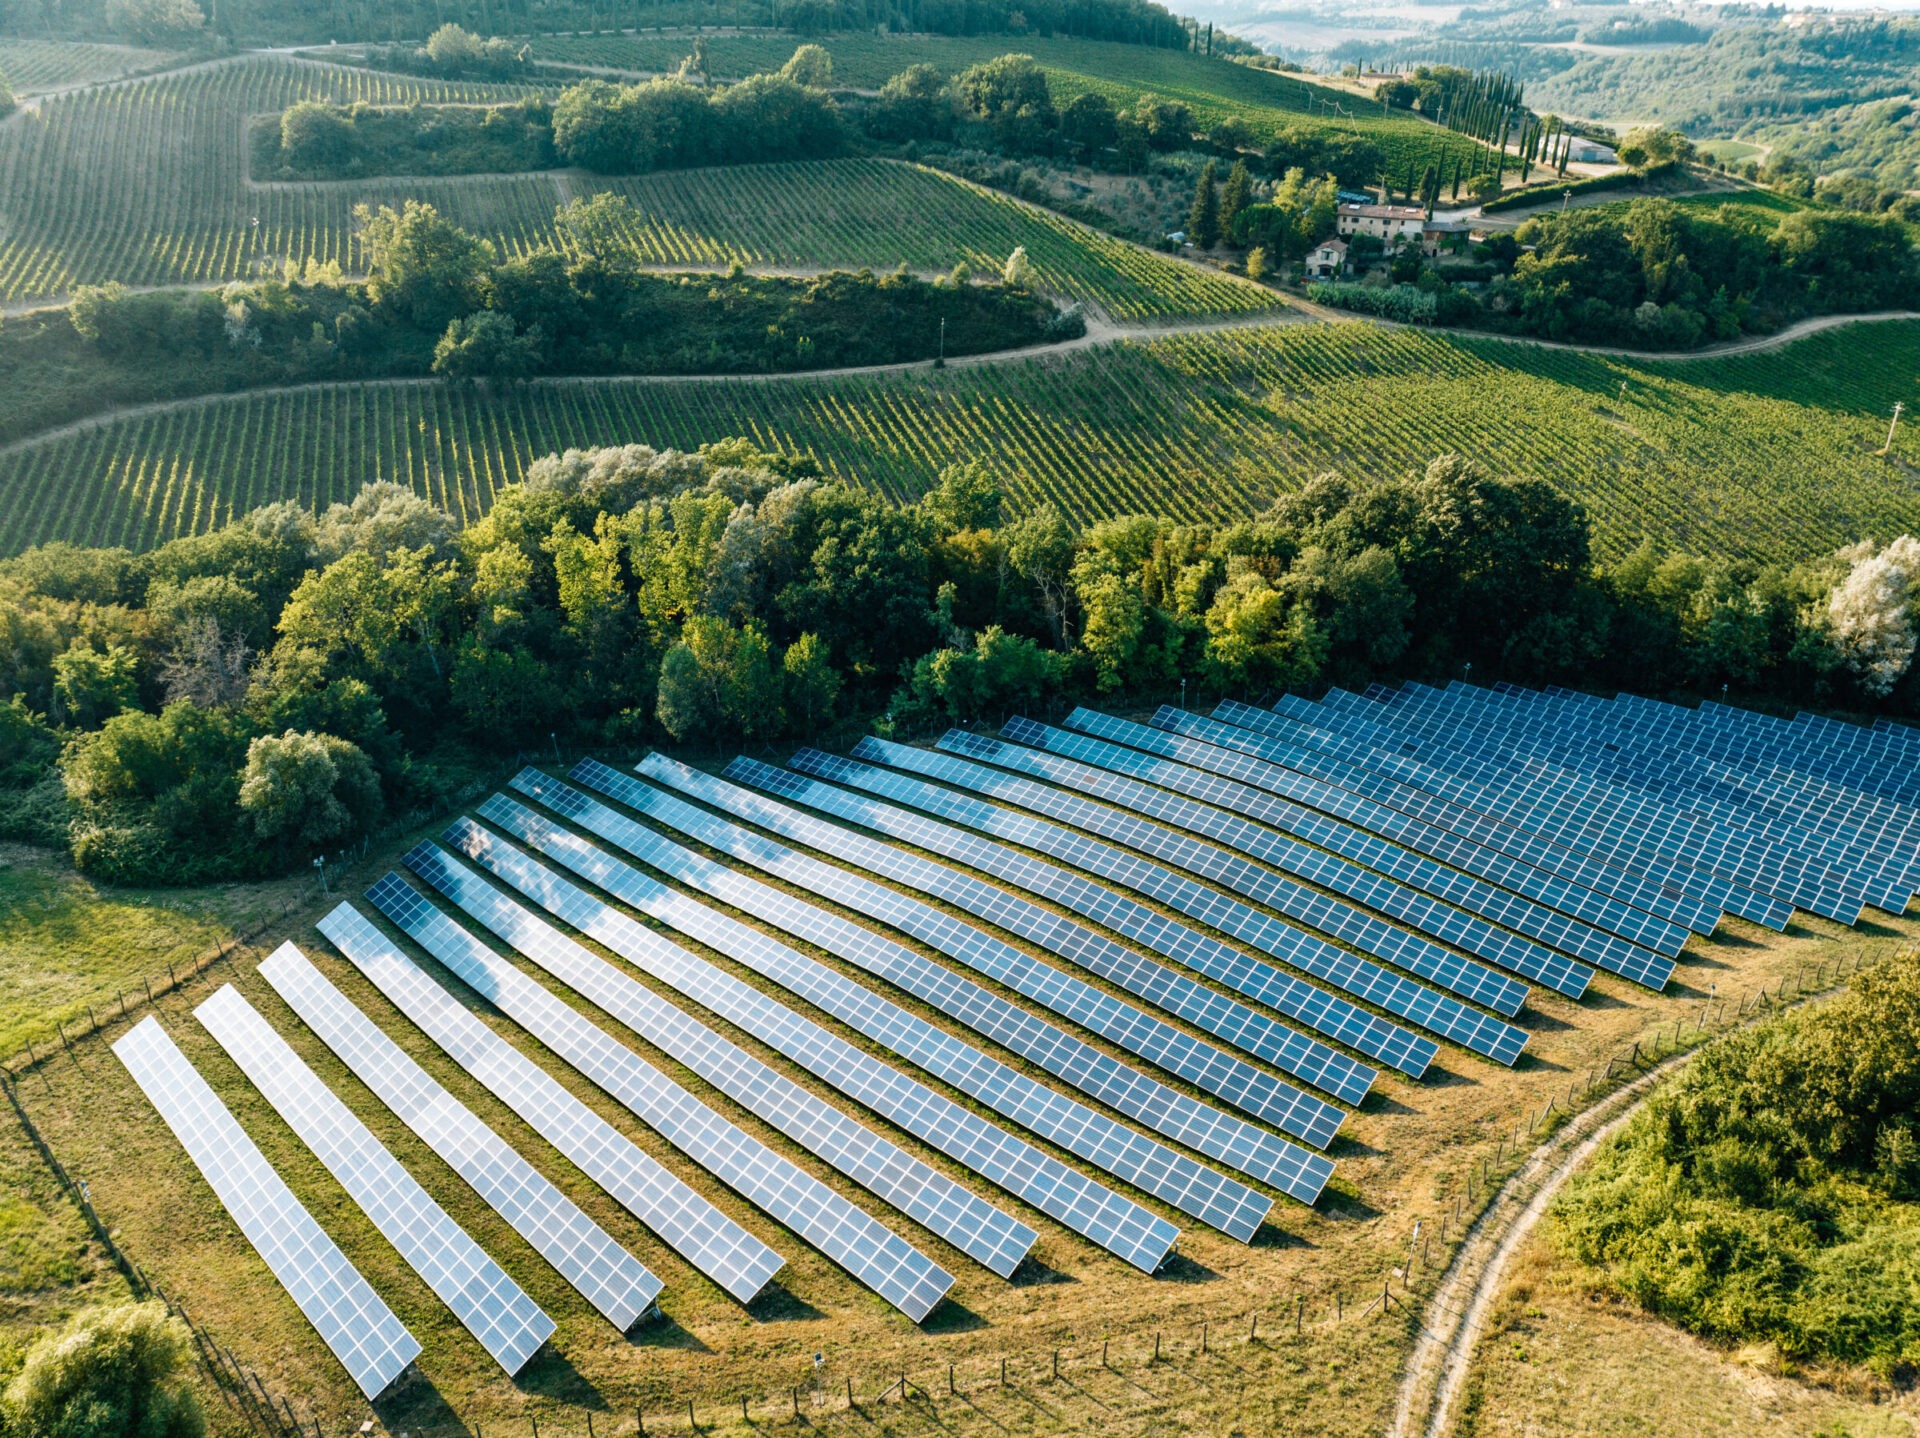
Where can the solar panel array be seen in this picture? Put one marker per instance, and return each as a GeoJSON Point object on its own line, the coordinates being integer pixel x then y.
{"type": "Point", "coordinates": [494, 1309]}
{"type": "Point", "coordinates": [875, 1163]}
{"type": "Point", "coordinates": [709, 1240]}
{"type": "Point", "coordinates": [853, 1238]}
{"type": "Point", "coordinates": [1109, 1219]}
{"type": "Point", "coordinates": [1209, 1196]}
{"type": "Point", "coordinates": [970, 1223]}
{"type": "Point", "coordinates": [1407, 852]}
{"type": "Point", "coordinates": [606, 1275]}
{"type": "Point", "coordinates": [371, 1343]}
{"type": "Point", "coordinates": [1429, 1009]}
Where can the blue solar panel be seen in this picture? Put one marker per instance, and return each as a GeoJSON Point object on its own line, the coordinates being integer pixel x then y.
{"type": "Point", "coordinates": [854, 1239]}
{"type": "Point", "coordinates": [875, 1163]}
{"type": "Point", "coordinates": [709, 1240]}
{"type": "Point", "coordinates": [1214, 1198]}
{"type": "Point", "coordinates": [1295, 901]}
{"type": "Point", "coordinates": [1420, 1005]}
{"type": "Point", "coordinates": [1050, 1186]}
{"type": "Point", "coordinates": [1114, 1222]}
{"type": "Point", "coordinates": [1344, 921]}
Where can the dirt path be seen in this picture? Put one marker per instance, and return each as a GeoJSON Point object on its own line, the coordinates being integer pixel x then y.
{"type": "Point", "coordinates": [1456, 1316]}
{"type": "Point", "coordinates": [1100, 331]}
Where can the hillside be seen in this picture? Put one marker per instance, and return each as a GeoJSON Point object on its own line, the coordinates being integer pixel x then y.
{"type": "Point", "coordinates": [1768, 455]}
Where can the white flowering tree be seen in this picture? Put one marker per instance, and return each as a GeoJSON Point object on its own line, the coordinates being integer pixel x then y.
{"type": "Point", "coordinates": [1871, 611]}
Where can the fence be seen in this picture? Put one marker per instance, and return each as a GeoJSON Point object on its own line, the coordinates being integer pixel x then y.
{"type": "Point", "coordinates": [1480, 1187]}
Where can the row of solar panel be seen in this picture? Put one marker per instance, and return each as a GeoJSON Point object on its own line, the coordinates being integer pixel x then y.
{"type": "Point", "coordinates": [1638, 786]}
{"type": "Point", "coordinates": [405, 1213]}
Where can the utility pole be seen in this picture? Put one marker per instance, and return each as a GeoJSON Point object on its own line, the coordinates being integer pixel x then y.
{"type": "Point", "coordinates": [1898, 407]}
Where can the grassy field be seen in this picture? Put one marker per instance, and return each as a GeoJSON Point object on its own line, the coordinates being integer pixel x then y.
{"type": "Point", "coordinates": [1560, 1361]}
{"type": "Point", "coordinates": [1402, 1159]}
{"type": "Point", "coordinates": [1768, 455]}
{"type": "Point", "coordinates": [34, 66]}
{"type": "Point", "coordinates": [145, 184]}
{"type": "Point", "coordinates": [1212, 89]}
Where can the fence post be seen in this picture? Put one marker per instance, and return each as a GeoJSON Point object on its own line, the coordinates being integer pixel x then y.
{"type": "Point", "coordinates": [694, 1423]}
{"type": "Point", "coordinates": [1299, 1314]}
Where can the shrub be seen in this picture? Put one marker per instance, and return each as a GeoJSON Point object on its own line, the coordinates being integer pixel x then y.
{"type": "Point", "coordinates": [109, 1373]}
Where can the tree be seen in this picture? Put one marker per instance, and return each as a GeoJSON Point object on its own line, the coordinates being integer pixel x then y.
{"type": "Point", "coordinates": [1018, 273]}
{"type": "Point", "coordinates": [1003, 86]}
{"type": "Point", "coordinates": [208, 666]}
{"type": "Point", "coordinates": [453, 48]}
{"type": "Point", "coordinates": [1235, 195]}
{"type": "Point", "coordinates": [812, 684]}
{"type": "Point", "coordinates": [601, 228]}
{"type": "Point", "coordinates": [91, 685]}
{"type": "Point", "coordinates": [1872, 611]}
{"type": "Point", "coordinates": [811, 66]}
{"type": "Point", "coordinates": [1040, 548]}
{"type": "Point", "coordinates": [1168, 124]}
{"type": "Point", "coordinates": [108, 1373]}
{"type": "Point", "coordinates": [423, 267]}
{"type": "Point", "coordinates": [913, 105]}
{"type": "Point", "coordinates": [1203, 220]}
{"type": "Point", "coordinates": [485, 345]}
{"type": "Point", "coordinates": [1089, 125]}
{"type": "Point", "coordinates": [1257, 263]}
{"type": "Point", "coordinates": [315, 136]}
{"type": "Point", "coordinates": [967, 495]}
{"type": "Point", "coordinates": [305, 792]}
{"type": "Point", "coordinates": [155, 22]}
{"type": "Point", "coordinates": [719, 680]}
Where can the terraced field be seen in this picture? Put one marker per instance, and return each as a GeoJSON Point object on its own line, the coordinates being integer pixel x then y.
{"type": "Point", "coordinates": [145, 183]}
{"type": "Point", "coordinates": [1212, 89]}
{"type": "Point", "coordinates": [1769, 455]}
{"type": "Point", "coordinates": [34, 66]}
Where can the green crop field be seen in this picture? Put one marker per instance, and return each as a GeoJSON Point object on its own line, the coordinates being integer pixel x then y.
{"type": "Point", "coordinates": [1213, 89]}
{"type": "Point", "coordinates": [34, 66]}
{"type": "Point", "coordinates": [145, 184]}
{"type": "Point", "coordinates": [1768, 455]}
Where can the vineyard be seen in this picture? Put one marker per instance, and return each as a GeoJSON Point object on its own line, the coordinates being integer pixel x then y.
{"type": "Point", "coordinates": [144, 183]}
{"type": "Point", "coordinates": [1213, 90]}
{"type": "Point", "coordinates": [1768, 455]}
{"type": "Point", "coordinates": [35, 66]}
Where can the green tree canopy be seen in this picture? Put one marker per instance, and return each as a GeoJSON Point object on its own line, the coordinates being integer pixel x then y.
{"type": "Point", "coordinates": [108, 1373]}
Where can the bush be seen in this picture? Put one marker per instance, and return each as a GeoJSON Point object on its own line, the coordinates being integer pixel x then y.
{"type": "Point", "coordinates": [109, 1373]}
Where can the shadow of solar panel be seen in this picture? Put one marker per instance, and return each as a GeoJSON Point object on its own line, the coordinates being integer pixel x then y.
{"type": "Point", "coordinates": [604, 1273]}
{"type": "Point", "coordinates": [686, 1222]}
{"type": "Point", "coordinates": [492, 1307]}
{"type": "Point", "coordinates": [854, 1239]}
{"type": "Point", "coordinates": [1418, 1004]}
{"type": "Point", "coordinates": [970, 1223]}
{"type": "Point", "coordinates": [873, 1162]}
{"type": "Point", "coordinates": [1212, 1197]}
{"type": "Point", "coordinates": [1176, 891]}
{"type": "Point", "coordinates": [1108, 1219]}
{"type": "Point", "coordinates": [1343, 921]}
{"type": "Point", "coordinates": [371, 1343]}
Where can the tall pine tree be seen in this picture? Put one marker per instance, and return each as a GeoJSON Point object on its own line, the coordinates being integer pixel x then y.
{"type": "Point", "coordinates": [1203, 220]}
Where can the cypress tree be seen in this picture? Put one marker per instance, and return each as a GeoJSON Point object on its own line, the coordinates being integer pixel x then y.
{"type": "Point", "coordinates": [1203, 220]}
{"type": "Point", "coordinates": [1234, 195]}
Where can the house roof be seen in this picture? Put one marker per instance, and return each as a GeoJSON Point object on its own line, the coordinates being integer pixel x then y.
{"type": "Point", "coordinates": [1385, 212]}
{"type": "Point", "coordinates": [1340, 245]}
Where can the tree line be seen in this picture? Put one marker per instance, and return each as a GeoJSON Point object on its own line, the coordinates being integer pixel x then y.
{"type": "Point", "coordinates": [240, 701]}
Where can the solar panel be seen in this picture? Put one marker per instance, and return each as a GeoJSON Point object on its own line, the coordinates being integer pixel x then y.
{"type": "Point", "coordinates": [875, 1163]}
{"type": "Point", "coordinates": [371, 1343]}
{"type": "Point", "coordinates": [977, 1227]}
{"type": "Point", "coordinates": [1345, 921]}
{"type": "Point", "coordinates": [1561, 806]}
{"type": "Point", "coordinates": [848, 1235]}
{"type": "Point", "coordinates": [1230, 779]}
{"type": "Point", "coordinates": [1414, 1002]}
{"type": "Point", "coordinates": [604, 1273]}
{"type": "Point", "coordinates": [493, 1308]}
{"type": "Point", "coordinates": [713, 1243]}
{"type": "Point", "coordinates": [1080, 1130]}
{"type": "Point", "coordinates": [1363, 931]}
{"type": "Point", "coordinates": [1114, 1222]}
{"type": "Point", "coordinates": [1512, 757]}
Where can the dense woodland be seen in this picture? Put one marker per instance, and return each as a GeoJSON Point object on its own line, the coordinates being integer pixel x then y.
{"type": "Point", "coordinates": [240, 701]}
{"type": "Point", "coordinates": [1768, 1196]}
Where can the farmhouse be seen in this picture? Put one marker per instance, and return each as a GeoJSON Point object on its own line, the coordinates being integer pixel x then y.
{"type": "Point", "coordinates": [1385, 223]}
{"type": "Point", "coordinates": [1327, 259]}
{"type": "Point", "coordinates": [1438, 236]}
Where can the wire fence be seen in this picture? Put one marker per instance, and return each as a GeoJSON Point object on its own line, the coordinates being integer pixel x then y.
{"type": "Point", "coordinates": [1506, 1176]}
